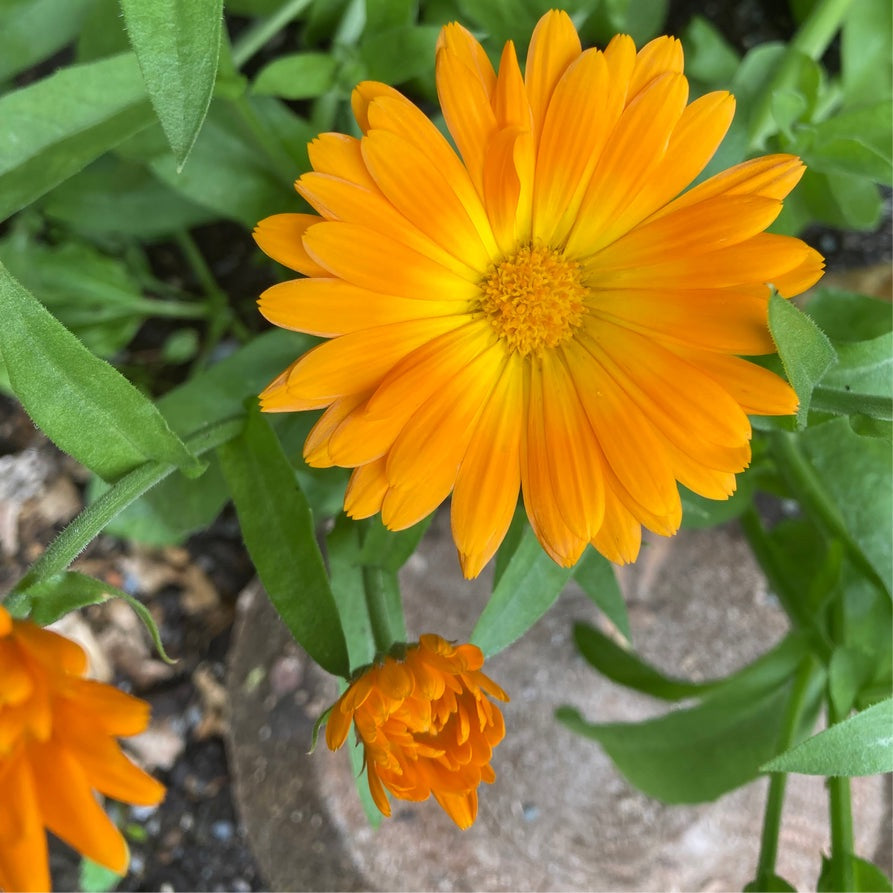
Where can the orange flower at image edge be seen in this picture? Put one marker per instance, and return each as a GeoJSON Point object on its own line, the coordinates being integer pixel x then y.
{"type": "Point", "coordinates": [545, 313]}
{"type": "Point", "coordinates": [57, 746]}
{"type": "Point", "coordinates": [426, 726]}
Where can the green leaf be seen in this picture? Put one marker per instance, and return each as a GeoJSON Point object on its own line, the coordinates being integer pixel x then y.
{"type": "Point", "coordinates": [230, 172]}
{"type": "Point", "coordinates": [708, 56]}
{"type": "Point", "coordinates": [867, 877]}
{"type": "Point", "coordinates": [95, 878]}
{"type": "Point", "coordinates": [595, 576]}
{"type": "Point", "coordinates": [399, 54]}
{"type": "Point", "coordinates": [864, 371]}
{"type": "Point", "coordinates": [297, 76]}
{"type": "Point", "coordinates": [860, 745]}
{"type": "Point", "coordinates": [626, 668]}
{"type": "Point", "coordinates": [54, 596]}
{"type": "Point", "coordinates": [848, 316]}
{"type": "Point", "coordinates": [693, 755]}
{"type": "Point", "coordinates": [855, 473]}
{"type": "Point", "coordinates": [56, 126]}
{"type": "Point", "coordinates": [526, 590]}
{"type": "Point", "coordinates": [114, 196]}
{"type": "Point", "coordinates": [850, 669]}
{"type": "Point", "coordinates": [390, 549]}
{"type": "Point", "coordinates": [847, 201]}
{"type": "Point", "coordinates": [84, 405]}
{"type": "Point", "coordinates": [278, 530]}
{"type": "Point", "coordinates": [35, 29]}
{"type": "Point", "coordinates": [698, 512]}
{"type": "Point", "coordinates": [865, 51]}
{"type": "Point", "coordinates": [804, 349]}
{"type": "Point", "coordinates": [177, 45]}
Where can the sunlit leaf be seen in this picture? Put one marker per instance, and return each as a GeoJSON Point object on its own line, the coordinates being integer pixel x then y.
{"type": "Point", "coordinates": [297, 76]}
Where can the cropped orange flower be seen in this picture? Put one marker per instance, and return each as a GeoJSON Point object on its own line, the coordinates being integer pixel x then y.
{"type": "Point", "coordinates": [57, 746]}
{"type": "Point", "coordinates": [426, 725]}
{"type": "Point", "coordinates": [546, 313]}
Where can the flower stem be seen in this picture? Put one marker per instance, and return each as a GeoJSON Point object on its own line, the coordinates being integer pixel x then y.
{"type": "Point", "coordinates": [839, 804]}
{"type": "Point", "coordinates": [376, 605]}
{"type": "Point", "coordinates": [812, 39]}
{"type": "Point", "coordinates": [254, 38]}
{"type": "Point", "coordinates": [778, 780]}
{"type": "Point", "coordinates": [90, 522]}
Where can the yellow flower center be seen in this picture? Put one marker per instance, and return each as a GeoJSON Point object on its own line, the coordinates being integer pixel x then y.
{"type": "Point", "coordinates": [534, 299]}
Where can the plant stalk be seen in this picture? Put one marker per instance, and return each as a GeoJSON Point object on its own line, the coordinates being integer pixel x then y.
{"type": "Point", "coordinates": [255, 37]}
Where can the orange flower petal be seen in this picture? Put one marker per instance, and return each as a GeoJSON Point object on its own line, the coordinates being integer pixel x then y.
{"type": "Point", "coordinates": [280, 236]}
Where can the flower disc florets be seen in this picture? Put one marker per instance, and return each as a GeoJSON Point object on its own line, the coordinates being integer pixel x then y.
{"type": "Point", "coordinates": [426, 724]}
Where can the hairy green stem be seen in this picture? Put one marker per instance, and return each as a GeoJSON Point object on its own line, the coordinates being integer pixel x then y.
{"type": "Point", "coordinates": [262, 30]}
{"type": "Point", "coordinates": [90, 522]}
{"type": "Point", "coordinates": [812, 39]}
{"type": "Point", "coordinates": [778, 780]}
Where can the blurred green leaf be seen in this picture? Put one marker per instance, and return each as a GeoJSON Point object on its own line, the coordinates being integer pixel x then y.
{"type": "Point", "coordinates": [862, 380]}
{"type": "Point", "coordinates": [708, 56]}
{"type": "Point", "coordinates": [867, 877]}
{"type": "Point", "coordinates": [693, 755]}
{"type": "Point", "coordinates": [855, 142]}
{"type": "Point", "coordinates": [277, 526]}
{"type": "Point", "coordinates": [177, 45]}
{"type": "Point", "coordinates": [527, 588]}
{"type": "Point", "coordinates": [848, 316]}
{"type": "Point", "coordinates": [95, 878]}
{"type": "Point", "coordinates": [626, 668]}
{"type": "Point", "coordinates": [847, 201]}
{"type": "Point", "coordinates": [698, 512]}
{"type": "Point", "coordinates": [399, 54]}
{"type": "Point", "coordinates": [35, 29]}
{"type": "Point", "coordinates": [384, 14]}
{"type": "Point", "coordinates": [850, 669]}
{"type": "Point", "coordinates": [103, 33]}
{"type": "Point", "coordinates": [805, 350]}
{"type": "Point", "coordinates": [595, 576]}
{"type": "Point", "coordinates": [855, 472]}
{"type": "Point", "coordinates": [297, 76]}
{"type": "Point", "coordinates": [86, 407]}
{"type": "Point", "coordinates": [860, 745]}
{"type": "Point", "coordinates": [90, 293]}
{"type": "Point", "coordinates": [865, 51]}
{"type": "Point", "coordinates": [114, 196]}
{"type": "Point", "coordinates": [56, 126]}
{"type": "Point", "coordinates": [641, 19]}
{"type": "Point", "coordinates": [253, 7]}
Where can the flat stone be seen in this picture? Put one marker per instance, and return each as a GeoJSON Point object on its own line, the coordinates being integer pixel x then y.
{"type": "Point", "coordinates": [559, 816]}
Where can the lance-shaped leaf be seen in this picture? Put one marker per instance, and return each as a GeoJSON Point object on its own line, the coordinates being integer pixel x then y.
{"type": "Point", "coordinates": [277, 527]}
{"type": "Point", "coordinates": [860, 745]}
{"type": "Point", "coordinates": [178, 46]}
{"type": "Point", "coordinates": [55, 127]}
{"type": "Point", "coordinates": [85, 407]}
{"type": "Point", "coordinates": [805, 350]}
{"type": "Point", "coordinates": [526, 589]}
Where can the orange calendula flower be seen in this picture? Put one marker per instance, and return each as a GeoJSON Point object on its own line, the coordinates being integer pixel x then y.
{"type": "Point", "coordinates": [544, 311]}
{"type": "Point", "coordinates": [426, 724]}
{"type": "Point", "coordinates": [57, 746]}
